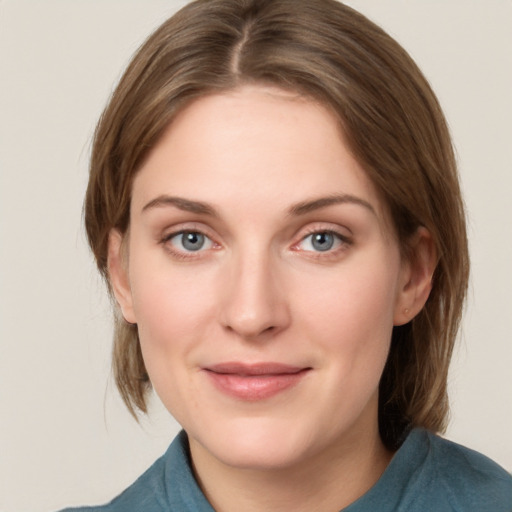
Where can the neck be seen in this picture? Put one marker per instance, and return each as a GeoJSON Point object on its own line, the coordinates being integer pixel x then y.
{"type": "Point", "coordinates": [327, 482]}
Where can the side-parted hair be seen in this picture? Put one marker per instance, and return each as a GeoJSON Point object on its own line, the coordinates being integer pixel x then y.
{"type": "Point", "coordinates": [326, 51]}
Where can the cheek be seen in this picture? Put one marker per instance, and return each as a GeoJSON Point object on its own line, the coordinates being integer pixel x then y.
{"type": "Point", "coordinates": [351, 316]}
{"type": "Point", "coordinates": [359, 298]}
{"type": "Point", "coordinates": [172, 309]}
{"type": "Point", "coordinates": [173, 315]}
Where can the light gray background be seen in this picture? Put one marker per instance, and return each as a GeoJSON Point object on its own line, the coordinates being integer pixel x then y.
{"type": "Point", "coordinates": [65, 437]}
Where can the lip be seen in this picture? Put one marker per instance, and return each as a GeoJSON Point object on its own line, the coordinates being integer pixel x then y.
{"type": "Point", "coordinates": [256, 381]}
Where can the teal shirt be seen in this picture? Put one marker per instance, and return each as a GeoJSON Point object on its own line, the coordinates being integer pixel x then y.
{"type": "Point", "coordinates": [427, 473]}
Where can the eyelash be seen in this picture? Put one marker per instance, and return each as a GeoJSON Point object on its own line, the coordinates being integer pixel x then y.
{"type": "Point", "coordinates": [343, 242]}
{"type": "Point", "coordinates": [184, 254]}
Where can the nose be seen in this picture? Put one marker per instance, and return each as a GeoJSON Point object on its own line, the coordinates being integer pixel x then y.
{"type": "Point", "coordinates": [254, 304]}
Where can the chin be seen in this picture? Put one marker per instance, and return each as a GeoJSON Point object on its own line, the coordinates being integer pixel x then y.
{"type": "Point", "coordinates": [261, 456]}
{"type": "Point", "coordinates": [256, 444]}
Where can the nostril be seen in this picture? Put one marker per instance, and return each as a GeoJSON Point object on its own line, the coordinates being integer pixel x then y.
{"type": "Point", "coordinates": [252, 333]}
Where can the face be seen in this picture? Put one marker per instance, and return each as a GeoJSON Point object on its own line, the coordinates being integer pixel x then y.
{"type": "Point", "coordinates": [264, 279]}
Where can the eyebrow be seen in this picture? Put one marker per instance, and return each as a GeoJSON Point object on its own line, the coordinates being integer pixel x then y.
{"type": "Point", "coordinates": [302, 208]}
{"type": "Point", "coordinates": [186, 205]}
{"type": "Point", "coordinates": [305, 207]}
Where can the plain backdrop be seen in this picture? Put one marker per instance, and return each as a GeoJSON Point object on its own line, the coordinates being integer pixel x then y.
{"type": "Point", "coordinates": [65, 437]}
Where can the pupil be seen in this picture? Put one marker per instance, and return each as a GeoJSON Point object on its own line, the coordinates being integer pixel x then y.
{"type": "Point", "coordinates": [323, 241]}
{"type": "Point", "coordinates": [192, 241]}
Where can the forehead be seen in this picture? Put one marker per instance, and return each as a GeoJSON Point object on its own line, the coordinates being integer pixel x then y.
{"type": "Point", "coordinates": [256, 145]}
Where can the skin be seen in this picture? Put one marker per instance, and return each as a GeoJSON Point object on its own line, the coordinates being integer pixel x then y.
{"type": "Point", "coordinates": [259, 290]}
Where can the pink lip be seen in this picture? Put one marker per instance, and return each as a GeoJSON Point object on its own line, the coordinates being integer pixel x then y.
{"type": "Point", "coordinates": [254, 382]}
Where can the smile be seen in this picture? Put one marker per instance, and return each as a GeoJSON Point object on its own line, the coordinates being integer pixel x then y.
{"type": "Point", "coordinates": [253, 382]}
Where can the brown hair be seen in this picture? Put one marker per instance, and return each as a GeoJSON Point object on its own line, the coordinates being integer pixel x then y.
{"type": "Point", "coordinates": [394, 126]}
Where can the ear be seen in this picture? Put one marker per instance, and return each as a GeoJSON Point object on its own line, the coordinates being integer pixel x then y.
{"type": "Point", "coordinates": [118, 273]}
{"type": "Point", "coordinates": [416, 277]}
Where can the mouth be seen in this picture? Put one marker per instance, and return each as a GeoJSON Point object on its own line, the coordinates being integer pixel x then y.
{"type": "Point", "coordinates": [253, 382]}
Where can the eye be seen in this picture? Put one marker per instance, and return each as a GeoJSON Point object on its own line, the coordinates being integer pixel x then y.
{"type": "Point", "coordinates": [189, 241]}
{"type": "Point", "coordinates": [322, 241]}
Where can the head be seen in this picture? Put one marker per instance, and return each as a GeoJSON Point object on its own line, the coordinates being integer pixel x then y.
{"type": "Point", "coordinates": [389, 117]}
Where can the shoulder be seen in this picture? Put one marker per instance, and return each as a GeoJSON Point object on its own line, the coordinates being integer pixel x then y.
{"type": "Point", "coordinates": [146, 493]}
{"type": "Point", "coordinates": [431, 473]}
{"type": "Point", "coordinates": [168, 485]}
{"type": "Point", "coordinates": [469, 480]}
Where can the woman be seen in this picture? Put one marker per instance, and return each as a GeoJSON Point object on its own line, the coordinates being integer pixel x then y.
{"type": "Point", "coordinates": [274, 204]}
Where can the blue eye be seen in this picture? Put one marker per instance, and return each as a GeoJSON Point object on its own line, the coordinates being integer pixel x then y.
{"type": "Point", "coordinates": [190, 241]}
{"type": "Point", "coordinates": [322, 241]}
